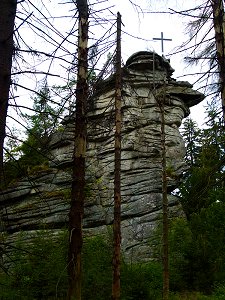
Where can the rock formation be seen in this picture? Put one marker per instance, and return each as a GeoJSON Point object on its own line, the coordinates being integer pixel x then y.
{"type": "Point", "coordinates": [42, 201]}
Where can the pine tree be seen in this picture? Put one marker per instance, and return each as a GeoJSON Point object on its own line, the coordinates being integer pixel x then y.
{"type": "Point", "coordinates": [8, 13]}
{"type": "Point", "coordinates": [22, 156]}
{"type": "Point", "coordinates": [117, 170]}
{"type": "Point", "coordinates": [206, 173]}
{"type": "Point", "coordinates": [78, 177]}
{"type": "Point", "coordinates": [219, 28]}
{"type": "Point", "coordinates": [192, 138]}
{"type": "Point", "coordinates": [40, 126]}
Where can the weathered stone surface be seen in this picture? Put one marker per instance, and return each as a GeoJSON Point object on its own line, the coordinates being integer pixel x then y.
{"type": "Point", "coordinates": [43, 201]}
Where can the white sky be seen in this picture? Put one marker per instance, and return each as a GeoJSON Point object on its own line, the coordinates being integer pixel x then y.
{"type": "Point", "coordinates": [150, 25]}
{"type": "Point", "coordinates": [143, 26]}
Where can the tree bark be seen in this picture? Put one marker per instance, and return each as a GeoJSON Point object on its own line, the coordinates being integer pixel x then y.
{"type": "Point", "coordinates": [7, 20]}
{"type": "Point", "coordinates": [78, 176]}
{"type": "Point", "coordinates": [219, 27]}
{"type": "Point", "coordinates": [117, 171]}
{"type": "Point", "coordinates": [165, 255]}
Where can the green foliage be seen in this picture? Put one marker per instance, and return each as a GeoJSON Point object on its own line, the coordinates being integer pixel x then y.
{"type": "Point", "coordinates": [180, 247]}
{"type": "Point", "coordinates": [196, 189]}
{"type": "Point", "coordinates": [190, 296]}
{"type": "Point", "coordinates": [38, 270]}
{"type": "Point", "coordinates": [208, 229]}
{"type": "Point", "coordinates": [12, 172]}
{"type": "Point", "coordinates": [141, 281]}
{"type": "Point", "coordinates": [197, 251]}
{"type": "Point", "coordinates": [44, 167]}
{"type": "Point", "coordinates": [206, 174]}
{"type": "Point", "coordinates": [197, 248]}
{"type": "Point", "coordinates": [180, 242]}
{"type": "Point", "coordinates": [41, 124]}
{"type": "Point", "coordinates": [33, 153]}
{"type": "Point", "coordinates": [192, 137]}
{"type": "Point", "coordinates": [138, 281]}
{"type": "Point", "coordinates": [12, 144]}
{"type": "Point", "coordinates": [97, 270]}
{"type": "Point", "coordinates": [219, 292]}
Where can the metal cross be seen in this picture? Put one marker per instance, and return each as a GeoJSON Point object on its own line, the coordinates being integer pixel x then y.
{"type": "Point", "coordinates": [162, 39]}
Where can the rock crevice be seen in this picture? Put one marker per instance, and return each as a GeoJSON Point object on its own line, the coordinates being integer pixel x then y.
{"type": "Point", "coordinates": [43, 202]}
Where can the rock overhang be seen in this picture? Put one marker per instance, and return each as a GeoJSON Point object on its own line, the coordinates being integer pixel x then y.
{"type": "Point", "coordinates": [141, 160]}
{"type": "Point", "coordinates": [147, 60]}
{"type": "Point", "coordinates": [148, 69]}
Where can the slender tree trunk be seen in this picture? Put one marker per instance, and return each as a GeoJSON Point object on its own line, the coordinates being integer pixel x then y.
{"type": "Point", "coordinates": [78, 179]}
{"type": "Point", "coordinates": [161, 103]}
{"type": "Point", "coordinates": [7, 20]}
{"type": "Point", "coordinates": [117, 171]}
{"type": "Point", "coordinates": [219, 27]}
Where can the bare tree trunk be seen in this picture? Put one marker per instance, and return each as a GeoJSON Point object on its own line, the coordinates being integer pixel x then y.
{"type": "Point", "coordinates": [78, 179]}
{"type": "Point", "coordinates": [117, 174]}
{"type": "Point", "coordinates": [7, 19]}
{"type": "Point", "coordinates": [219, 27]}
{"type": "Point", "coordinates": [161, 103]}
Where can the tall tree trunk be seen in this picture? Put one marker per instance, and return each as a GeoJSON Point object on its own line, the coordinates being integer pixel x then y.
{"type": "Point", "coordinates": [7, 20]}
{"type": "Point", "coordinates": [117, 171]}
{"type": "Point", "coordinates": [219, 27]}
{"type": "Point", "coordinates": [78, 176]}
{"type": "Point", "coordinates": [165, 257]}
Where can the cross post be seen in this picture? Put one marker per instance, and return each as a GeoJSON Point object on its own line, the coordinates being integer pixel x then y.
{"type": "Point", "coordinates": [162, 39]}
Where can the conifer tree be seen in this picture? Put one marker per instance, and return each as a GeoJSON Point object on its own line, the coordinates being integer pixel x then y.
{"type": "Point", "coordinates": [192, 138]}
{"type": "Point", "coordinates": [219, 28]}
{"type": "Point", "coordinates": [41, 123]}
{"type": "Point", "coordinates": [7, 19]}
{"type": "Point", "coordinates": [206, 173]}
{"type": "Point", "coordinates": [78, 177]}
{"type": "Point", "coordinates": [117, 171]}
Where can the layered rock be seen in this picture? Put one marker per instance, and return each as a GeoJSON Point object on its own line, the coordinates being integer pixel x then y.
{"type": "Point", "coordinates": [43, 200]}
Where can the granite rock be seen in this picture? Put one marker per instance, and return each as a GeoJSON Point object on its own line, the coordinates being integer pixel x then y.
{"type": "Point", "coordinates": [43, 200]}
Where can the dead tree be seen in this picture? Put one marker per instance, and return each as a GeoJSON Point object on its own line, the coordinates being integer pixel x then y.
{"type": "Point", "coordinates": [219, 27]}
{"type": "Point", "coordinates": [117, 170]}
{"type": "Point", "coordinates": [78, 176]}
{"type": "Point", "coordinates": [165, 255]}
{"type": "Point", "coordinates": [7, 19]}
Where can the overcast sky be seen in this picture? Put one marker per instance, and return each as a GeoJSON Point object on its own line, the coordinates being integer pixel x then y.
{"type": "Point", "coordinates": [139, 30]}
{"type": "Point", "coordinates": [150, 25]}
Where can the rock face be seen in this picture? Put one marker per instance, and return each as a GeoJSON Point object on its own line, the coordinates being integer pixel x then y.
{"type": "Point", "coordinates": [43, 200]}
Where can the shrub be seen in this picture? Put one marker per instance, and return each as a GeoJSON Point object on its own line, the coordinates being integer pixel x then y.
{"type": "Point", "coordinates": [219, 292]}
{"type": "Point", "coordinates": [141, 281]}
{"type": "Point", "coordinates": [38, 270]}
{"type": "Point", "coordinates": [97, 270]}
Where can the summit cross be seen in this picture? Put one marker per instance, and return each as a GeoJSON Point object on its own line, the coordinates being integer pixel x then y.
{"type": "Point", "coordinates": [162, 39]}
